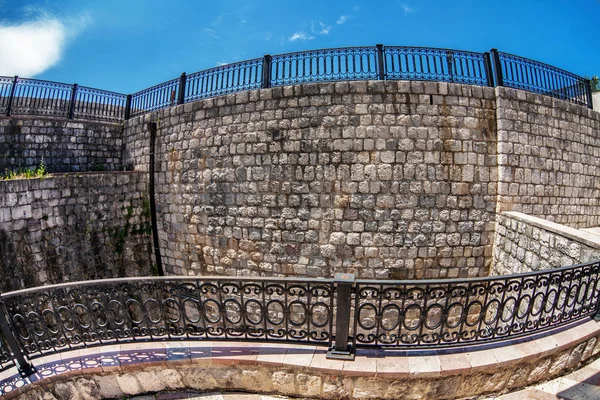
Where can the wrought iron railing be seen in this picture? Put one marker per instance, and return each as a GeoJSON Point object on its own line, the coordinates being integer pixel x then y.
{"type": "Point", "coordinates": [341, 313]}
{"type": "Point", "coordinates": [160, 96]}
{"type": "Point", "coordinates": [230, 78]}
{"type": "Point", "coordinates": [329, 65]}
{"type": "Point", "coordinates": [422, 63]}
{"type": "Point", "coordinates": [533, 76]}
{"type": "Point", "coordinates": [31, 96]}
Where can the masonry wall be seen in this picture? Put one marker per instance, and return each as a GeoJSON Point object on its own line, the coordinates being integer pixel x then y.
{"type": "Point", "coordinates": [548, 158]}
{"type": "Point", "coordinates": [524, 243]}
{"type": "Point", "coordinates": [64, 145]}
{"type": "Point", "coordinates": [384, 179]}
{"type": "Point", "coordinates": [73, 227]}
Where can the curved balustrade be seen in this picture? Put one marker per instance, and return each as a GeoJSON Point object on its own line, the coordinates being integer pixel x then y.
{"type": "Point", "coordinates": [392, 314]}
{"type": "Point", "coordinates": [19, 96]}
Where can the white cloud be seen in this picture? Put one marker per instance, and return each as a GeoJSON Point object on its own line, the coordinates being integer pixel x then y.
{"type": "Point", "coordinates": [30, 48]}
{"type": "Point", "coordinates": [212, 33]}
{"type": "Point", "coordinates": [324, 29]}
{"type": "Point", "coordinates": [300, 35]}
{"type": "Point", "coordinates": [342, 19]}
{"type": "Point", "coordinates": [407, 9]}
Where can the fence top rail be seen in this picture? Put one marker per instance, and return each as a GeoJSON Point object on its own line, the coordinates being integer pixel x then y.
{"type": "Point", "coordinates": [440, 49]}
{"type": "Point", "coordinates": [543, 65]}
{"type": "Point", "coordinates": [157, 86]}
{"type": "Point", "coordinates": [166, 279]}
{"type": "Point", "coordinates": [292, 53]}
{"type": "Point", "coordinates": [102, 91]}
{"type": "Point", "coordinates": [27, 80]}
{"type": "Point", "coordinates": [286, 280]}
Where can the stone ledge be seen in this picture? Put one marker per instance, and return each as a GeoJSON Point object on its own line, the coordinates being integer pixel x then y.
{"type": "Point", "coordinates": [288, 369]}
{"type": "Point", "coordinates": [587, 238]}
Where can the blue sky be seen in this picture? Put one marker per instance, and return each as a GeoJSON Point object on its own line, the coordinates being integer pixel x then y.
{"type": "Point", "coordinates": [128, 45]}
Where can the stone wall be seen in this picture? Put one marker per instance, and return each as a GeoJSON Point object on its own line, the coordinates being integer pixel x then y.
{"type": "Point", "coordinates": [385, 179]}
{"type": "Point", "coordinates": [73, 227]}
{"type": "Point", "coordinates": [548, 158]}
{"type": "Point", "coordinates": [64, 145]}
{"type": "Point", "coordinates": [524, 243]}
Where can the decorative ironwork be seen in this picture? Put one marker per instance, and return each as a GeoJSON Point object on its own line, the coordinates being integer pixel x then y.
{"type": "Point", "coordinates": [6, 84]}
{"type": "Point", "coordinates": [62, 317]}
{"type": "Point", "coordinates": [31, 96]}
{"type": "Point", "coordinates": [37, 97]}
{"type": "Point", "coordinates": [456, 312]}
{"type": "Point", "coordinates": [230, 78]}
{"type": "Point", "coordinates": [533, 76]}
{"type": "Point", "coordinates": [156, 97]}
{"type": "Point", "coordinates": [422, 63]}
{"type": "Point", "coordinates": [343, 313]}
{"type": "Point", "coordinates": [6, 360]}
{"type": "Point", "coordinates": [99, 104]}
{"type": "Point", "coordinates": [348, 63]}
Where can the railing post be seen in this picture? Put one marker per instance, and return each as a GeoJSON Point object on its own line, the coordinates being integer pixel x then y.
{"type": "Point", "coordinates": [127, 107]}
{"type": "Point", "coordinates": [589, 91]}
{"type": "Point", "coordinates": [25, 367]}
{"type": "Point", "coordinates": [450, 64]}
{"type": "Point", "coordinates": [72, 103]}
{"type": "Point", "coordinates": [266, 71]}
{"type": "Point", "coordinates": [497, 67]}
{"type": "Point", "coordinates": [341, 349]}
{"type": "Point", "coordinates": [182, 81]}
{"type": "Point", "coordinates": [487, 64]}
{"type": "Point", "coordinates": [12, 95]}
{"type": "Point", "coordinates": [380, 62]}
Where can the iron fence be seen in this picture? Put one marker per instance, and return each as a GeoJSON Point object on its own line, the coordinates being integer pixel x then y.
{"type": "Point", "coordinates": [19, 96]}
{"type": "Point", "coordinates": [533, 76]}
{"type": "Point", "coordinates": [421, 63]}
{"type": "Point", "coordinates": [160, 96]}
{"type": "Point", "coordinates": [224, 79]}
{"type": "Point", "coordinates": [329, 65]}
{"type": "Point", "coordinates": [342, 313]}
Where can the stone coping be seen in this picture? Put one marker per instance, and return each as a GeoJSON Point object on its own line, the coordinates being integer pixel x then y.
{"type": "Point", "coordinates": [560, 352]}
{"type": "Point", "coordinates": [587, 238]}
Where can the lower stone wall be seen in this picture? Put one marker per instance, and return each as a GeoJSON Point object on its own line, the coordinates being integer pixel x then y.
{"type": "Point", "coordinates": [524, 243]}
{"type": "Point", "coordinates": [73, 227]}
{"type": "Point", "coordinates": [64, 145]}
{"type": "Point", "coordinates": [269, 369]}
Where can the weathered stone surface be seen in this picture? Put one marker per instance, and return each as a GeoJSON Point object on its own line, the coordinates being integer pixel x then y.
{"type": "Point", "coordinates": [316, 183]}
{"type": "Point", "coordinates": [73, 227]}
{"type": "Point", "coordinates": [64, 145]}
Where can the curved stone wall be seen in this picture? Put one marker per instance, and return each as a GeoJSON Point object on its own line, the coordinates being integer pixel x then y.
{"type": "Point", "coordinates": [384, 179]}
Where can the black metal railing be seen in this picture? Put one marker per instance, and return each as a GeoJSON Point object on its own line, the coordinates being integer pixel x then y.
{"type": "Point", "coordinates": [341, 313]}
{"type": "Point", "coordinates": [230, 78]}
{"type": "Point", "coordinates": [19, 96]}
{"type": "Point", "coordinates": [533, 76]}
{"type": "Point", "coordinates": [329, 65]}
{"type": "Point", "coordinates": [421, 63]}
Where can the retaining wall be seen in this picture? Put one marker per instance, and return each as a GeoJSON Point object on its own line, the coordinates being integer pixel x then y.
{"type": "Point", "coordinates": [548, 158]}
{"type": "Point", "coordinates": [73, 227]}
{"type": "Point", "coordinates": [384, 179]}
{"type": "Point", "coordinates": [524, 243]}
{"type": "Point", "coordinates": [64, 145]}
